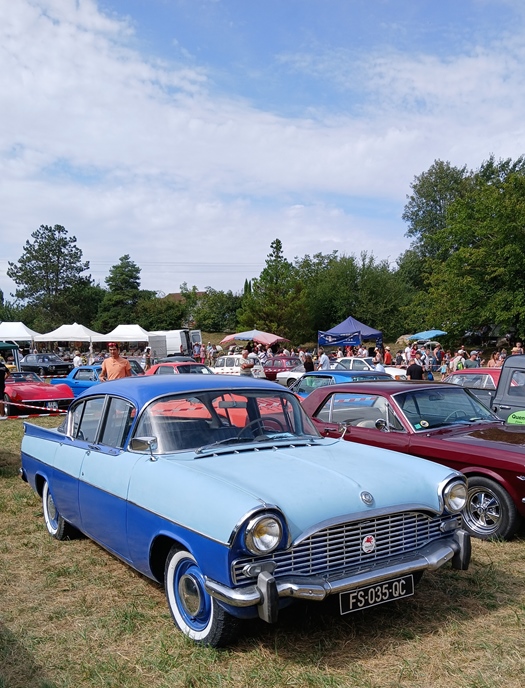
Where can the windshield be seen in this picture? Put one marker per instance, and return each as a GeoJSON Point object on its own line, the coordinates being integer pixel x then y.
{"type": "Point", "coordinates": [211, 418]}
{"type": "Point", "coordinates": [427, 408]}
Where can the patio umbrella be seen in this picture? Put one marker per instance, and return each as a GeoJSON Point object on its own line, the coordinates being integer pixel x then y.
{"type": "Point", "coordinates": [266, 338]}
{"type": "Point", "coordinates": [428, 334]}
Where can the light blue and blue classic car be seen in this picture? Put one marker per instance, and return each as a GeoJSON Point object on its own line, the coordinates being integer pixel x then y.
{"type": "Point", "coordinates": [222, 490]}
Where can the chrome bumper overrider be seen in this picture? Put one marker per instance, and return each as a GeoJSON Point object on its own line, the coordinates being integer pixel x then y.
{"type": "Point", "coordinates": [266, 591]}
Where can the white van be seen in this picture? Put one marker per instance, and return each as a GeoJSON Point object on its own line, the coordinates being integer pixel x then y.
{"type": "Point", "coordinates": [231, 365]}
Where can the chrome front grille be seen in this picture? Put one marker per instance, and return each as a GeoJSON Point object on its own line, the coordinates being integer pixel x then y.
{"type": "Point", "coordinates": [339, 549]}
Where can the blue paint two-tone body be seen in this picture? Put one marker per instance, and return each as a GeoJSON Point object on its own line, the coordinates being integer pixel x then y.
{"type": "Point", "coordinates": [140, 503]}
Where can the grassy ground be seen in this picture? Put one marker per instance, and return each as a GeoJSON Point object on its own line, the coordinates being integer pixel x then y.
{"type": "Point", "coordinates": [71, 615]}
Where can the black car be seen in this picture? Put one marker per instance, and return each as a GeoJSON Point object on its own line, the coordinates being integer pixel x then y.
{"type": "Point", "coordinates": [45, 365]}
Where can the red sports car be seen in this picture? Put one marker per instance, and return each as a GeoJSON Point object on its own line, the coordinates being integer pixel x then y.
{"type": "Point", "coordinates": [443, 423]}
{"type": "Point", "coordinates": [279, 364]}
{"type": "Point", "coordinates": [26, 393]}
{"type": "Point", "coordinates": [177, 368]}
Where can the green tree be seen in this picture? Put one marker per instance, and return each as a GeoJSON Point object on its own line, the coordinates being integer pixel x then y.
{"type": "Point", "coordinates": [477, 278]}
{"type": "Point", "coordinates": [272, 304]}
{"type": "Point", "coordinates": [120, 301]}
{"type": "Point", "coordinates": [216, 311]}
{"type": "Point", "coordinates": [160, 314]}
{"type": "Point", "coordinates": [49, 274]}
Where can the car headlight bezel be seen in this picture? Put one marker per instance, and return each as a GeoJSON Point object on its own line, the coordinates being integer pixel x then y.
{"type": "Point", "coordinates": [263, 534]}
{"type": "Point", "coordinates": [455, 495]}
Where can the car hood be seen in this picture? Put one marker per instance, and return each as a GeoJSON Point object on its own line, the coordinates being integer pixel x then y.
{"type": "Point", "coordinates": [37, 390]}
{"type": "Point", "coordinates": [309, 484]}
{"type": "Point", "coordinates": [493, 436]}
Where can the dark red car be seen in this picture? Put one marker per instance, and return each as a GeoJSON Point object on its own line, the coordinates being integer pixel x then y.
{"type": "Point", "coordinates": [279, 364]}
{"type": "Point", "coordinates": [440, 422]}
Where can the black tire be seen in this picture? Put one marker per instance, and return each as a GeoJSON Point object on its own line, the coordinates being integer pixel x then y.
{"type": "Point", "coordinates": [290, 381]}
{"type": "Point", "coordinates": [194, 612]}
{"type": "Point", "coordinates": [56, 526]}
{"type": "Point", "coordinates": [8, 409]}
{"type": "Point", "coordinates": [490, 511]}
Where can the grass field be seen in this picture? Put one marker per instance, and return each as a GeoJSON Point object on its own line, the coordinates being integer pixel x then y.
{"type": "Point", "coordinates": [71, 615]}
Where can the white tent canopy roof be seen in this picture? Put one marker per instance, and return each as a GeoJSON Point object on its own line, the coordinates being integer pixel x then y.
{"type": "Point", "coordinates": [126, 333]}
{"type": "Point", "coordinates": [70, 333]}
{"type": "Point", "coordinates": [16, 332]}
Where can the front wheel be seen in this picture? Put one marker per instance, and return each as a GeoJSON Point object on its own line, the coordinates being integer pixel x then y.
{"type": "Point", "coordinates": [490, 511]}
{"type": "Point", "coordinates": [194, 611]}
{"type": "Point", "coordinates": [56, 526]}
{"type": "Point", "coordinates": [8, 410]}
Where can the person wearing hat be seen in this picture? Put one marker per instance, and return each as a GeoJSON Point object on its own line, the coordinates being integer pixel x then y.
{"type": "Point", "coordinates": [114, 367]}
{"type": "Point", "coordinates": [387, 358]}
{"type": "Point", "coordinates": [77, 359]}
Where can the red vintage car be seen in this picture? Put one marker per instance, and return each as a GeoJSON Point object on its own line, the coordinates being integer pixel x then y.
{"type": "Point", "coordinates": [279, 364]}
{"type": "Point", "coordinates": [27, 393]}
{"type": "Point", "coordinates": [440, 422]}
{"type": "Point", "coordinates": [477, 378]}
{"type": "Point", "coordinates": [179, 367]}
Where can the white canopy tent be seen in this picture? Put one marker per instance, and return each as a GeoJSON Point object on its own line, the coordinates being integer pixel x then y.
{"type": "Point", "coordinates": [126, 333]}
{"type": "Point", "coordinates": [16, 332]}
{"type": "Point", "coordinates": [70, 333]}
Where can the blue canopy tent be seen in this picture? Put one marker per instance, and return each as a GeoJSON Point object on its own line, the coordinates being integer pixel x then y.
{"type": "Point", "coordinates": [350, 332]}
{"type": "Point", "coordinates": [427, 334]}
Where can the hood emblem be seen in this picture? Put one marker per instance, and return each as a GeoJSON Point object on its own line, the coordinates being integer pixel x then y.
{"type": "Point", "coordinates": [368, 544]}
{"type": "Point", "coordinates": [367, 498]}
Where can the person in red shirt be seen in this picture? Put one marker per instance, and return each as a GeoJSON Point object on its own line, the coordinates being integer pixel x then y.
{"type": "Point", "coordinates": [387, 359]}
{"type": "Point", "coordinates": [114, 367]}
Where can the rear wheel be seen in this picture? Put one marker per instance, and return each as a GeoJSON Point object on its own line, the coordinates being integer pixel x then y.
{"type": "Point", "coordinates": [290, 382]}
{"type": "Point", "coordinates": [56, 526]}
{"type": "Point", "coordinates": [490, 511]}
{"type": "Point", "coordinates": [194, 611]}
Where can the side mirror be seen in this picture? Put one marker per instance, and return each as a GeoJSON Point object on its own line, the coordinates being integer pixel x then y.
{"type": "Point", "coordinates": [144, 444]}
{"type": "Point", "coordinates": [381, 424]}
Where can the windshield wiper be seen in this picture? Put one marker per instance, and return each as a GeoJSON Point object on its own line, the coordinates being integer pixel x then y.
{"type": "Point", "coordinates": [228, 440]}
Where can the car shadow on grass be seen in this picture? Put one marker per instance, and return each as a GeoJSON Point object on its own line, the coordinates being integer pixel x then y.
{"type": "Point", "coordinates": [17, 667]}
{"type": "Point", "coordinates": [9, 464]}
{"type": "Point", "coordinates": [307, 632]}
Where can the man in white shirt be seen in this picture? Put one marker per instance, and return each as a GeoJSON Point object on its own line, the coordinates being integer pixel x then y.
{"type": "Point", "coordinates": [324, 361]}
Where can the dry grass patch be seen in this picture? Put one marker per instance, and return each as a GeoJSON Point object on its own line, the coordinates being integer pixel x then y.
{"type": "Point", "coordinates": [72, 615]}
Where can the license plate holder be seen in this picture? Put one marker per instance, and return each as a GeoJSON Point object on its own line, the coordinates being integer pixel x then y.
{"type": "Point", "coordinates": [377, 593]}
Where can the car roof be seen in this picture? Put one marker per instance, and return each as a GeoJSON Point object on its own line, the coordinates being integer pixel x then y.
{"type": "Point", "coordinates": [142, 389]}
{"type": "Point", "coordinates": [350, 374]}
{"type": "Point", "coordinates": [386, 386]}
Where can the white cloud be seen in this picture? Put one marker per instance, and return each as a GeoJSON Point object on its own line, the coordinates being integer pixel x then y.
{"type": "Point", "coordinates": [137, 155]}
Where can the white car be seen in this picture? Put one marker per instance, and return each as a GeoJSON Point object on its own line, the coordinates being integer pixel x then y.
{"type": "Point", "coordinates": [231, 365]}
{"type": "Point", "coordinates": [356, 363]}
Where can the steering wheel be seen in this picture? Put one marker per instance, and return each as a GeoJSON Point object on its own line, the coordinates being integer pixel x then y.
{"type": "Point", "coordinates": [262, 423]}
{"type": "Point", "coordinates": [458, 413]}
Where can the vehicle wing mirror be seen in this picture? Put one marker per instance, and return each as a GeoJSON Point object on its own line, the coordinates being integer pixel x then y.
{"type": "Point", "coordinates": [145, 444]}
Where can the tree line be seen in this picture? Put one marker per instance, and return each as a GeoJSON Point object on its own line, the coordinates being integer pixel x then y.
{"type": "Point", "coordinates": [464, 270]}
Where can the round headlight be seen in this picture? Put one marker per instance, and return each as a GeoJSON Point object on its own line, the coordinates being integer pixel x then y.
{"type": "Point", "coordinates": [263, 534]}
{"type": "Point", "coordinates": [455, 495]}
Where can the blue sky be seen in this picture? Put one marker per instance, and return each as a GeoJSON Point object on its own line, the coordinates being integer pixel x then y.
{"type": "Point", "coordinates": [192, 133]}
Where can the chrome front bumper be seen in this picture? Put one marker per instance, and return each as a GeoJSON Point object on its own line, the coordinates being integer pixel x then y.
{"type": "Point", "coordinates": [265, 593]}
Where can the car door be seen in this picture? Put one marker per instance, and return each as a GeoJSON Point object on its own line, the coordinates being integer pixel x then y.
{"type": "Point", "coordinates": [359, 413]}
{"type": "Point", "coordinates": [82, 379]}
{"type": "Point", "coordinates": [105, 471]}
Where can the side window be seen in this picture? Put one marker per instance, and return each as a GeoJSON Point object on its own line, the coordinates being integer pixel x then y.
{"type": "Point", "coordinates": [517, 384]}
{"type": "Point", "coordinates": [90, 420]}
{"type": "Point", "coordinates": [117, 422]}
{"type": "Point", "coordinates": [230, 362]}
{"type": "Point", "coordinates": [164, 370]}
{"type": "Point", "coordinates": [359, 365]}
{"type": "Point", "coordinates": [220, 363]}
{"type": "Point", "coordinates": [85, 375]}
